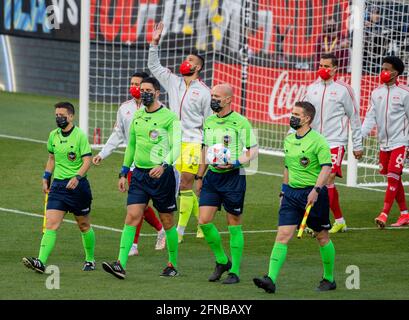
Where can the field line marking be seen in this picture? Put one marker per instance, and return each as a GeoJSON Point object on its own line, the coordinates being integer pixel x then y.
{"type": "Point", "coordinates": [259, 172]}
{"type": "Point", "coordinates": [35, 215]}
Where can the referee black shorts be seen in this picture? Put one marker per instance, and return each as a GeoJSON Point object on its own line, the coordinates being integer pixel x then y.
{"type": "Point", "coordinates": [77, 201]}
{"type": "Point", "coordinates": [227, 189]}
{"type": "Point", "coordinates": [161, 191]}
{"type": "Point", "coordinates": [293, 206]}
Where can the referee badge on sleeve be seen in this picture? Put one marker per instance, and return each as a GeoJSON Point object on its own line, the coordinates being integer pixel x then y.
{"type": "Point", "coordinates": [304, 161]}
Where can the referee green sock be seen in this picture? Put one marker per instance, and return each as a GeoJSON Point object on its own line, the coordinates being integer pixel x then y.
{"type": "Point", "coordinates": [328, 260]}
{"type": "Point", "coordinates": [236, 248]}
{"type": "Point", "coordinates": [88, 241]}
{"type": "Point", "coordinates": [172, 245]}
{"type": "Point", "coordinates": [47, 245]}
{"type": "Point", "coordinates": [277, 258]}
{"type": "Point", "coordinates": [128, 234]}
{"type": "Point", "coordinates": [214, 240]}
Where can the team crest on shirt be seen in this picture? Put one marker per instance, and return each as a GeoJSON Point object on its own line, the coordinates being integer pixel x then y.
{"type": "Point", "coordinates": [154, 134]}
{"type": "Point", "coordinates": [71, 156]}
{"type": "Point", "coordinates": [304, 161]}
{"type": "Point", "coordinates": [226, 140]}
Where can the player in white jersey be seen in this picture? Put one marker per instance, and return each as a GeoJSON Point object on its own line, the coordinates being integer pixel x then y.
{"type": "Point", "coordinates": [389, 111]}
{"type": "Point", "coordinates": [120, 135]}
{"type": "Point", "coordinates": [190, 99]}
{"type": "Point", "coordinates": [335, 104]}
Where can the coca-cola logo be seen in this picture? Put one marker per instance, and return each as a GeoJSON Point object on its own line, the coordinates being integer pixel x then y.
{"type": "Point", "coordinates": [283, 96]}
{"type": "Point", "coordinates": [286, 92]}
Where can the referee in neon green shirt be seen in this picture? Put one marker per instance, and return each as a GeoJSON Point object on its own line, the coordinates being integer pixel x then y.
{"type": "Point", "coordinates": [69, 160]}
{"type": "Point", "coordinates": [307, 168]}
{"type": "Point", "coordinates": [153, 146]}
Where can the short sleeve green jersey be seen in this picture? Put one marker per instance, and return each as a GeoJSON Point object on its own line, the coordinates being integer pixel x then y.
{"type": "Point", "coordinates": [68, 151]}
{"type": "Point", "coordinates": [304, 157]}
{"type": "Point", "coordinates": [154, 138]}
{"type": "Point", "coordinates": [233, 131]}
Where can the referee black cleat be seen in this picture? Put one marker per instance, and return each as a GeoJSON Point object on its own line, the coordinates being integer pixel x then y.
{"type": "Point", "coordinates": [219, 270]}
{"type": "Point", "coordinates": [89, 266]}
{"type": "Point", "coordinates": [115, 269]}
{"type": "Point", "coordinates": [169, 271]}
{"type": "Point", "coordinates": [326, 285]}
{"type": "Point", "coordinates": [232, 278]}
{"type": "Point", "coordinates": [265, 283]}
{"type": "Point", "coordinates": [34, 263]}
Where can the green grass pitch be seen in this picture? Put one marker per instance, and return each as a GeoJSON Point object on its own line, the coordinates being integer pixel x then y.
{"type": "Point", "coordinates": [382, 256]}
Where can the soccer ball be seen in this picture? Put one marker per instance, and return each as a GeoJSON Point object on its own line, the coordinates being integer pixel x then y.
{"type": "Point", "coordinates": [218, 154]}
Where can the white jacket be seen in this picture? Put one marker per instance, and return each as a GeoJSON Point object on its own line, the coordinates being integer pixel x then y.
{"type": "Point", "coordinates": [192, 104]}
{"type": "Point", "coordinates": [389, 111]}
{"type": "Point", "coordinates": [120, 134]}
{"type": "Point", "coordinates": [335, 103]}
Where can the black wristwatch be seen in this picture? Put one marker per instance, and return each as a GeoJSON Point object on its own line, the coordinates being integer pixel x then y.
{"type": "Point", "coordinates": [122, 175]}
{"type": "Point", "coordinates": [281, 194]}
{"type": "Point", "coordinates": [164, 165]}
{"type": "Point", "coordinates": [78, 177]}
{"type": "Point", "coordinates": [317, 189]}
{"type": "Point", "coordinates": [198, 177]}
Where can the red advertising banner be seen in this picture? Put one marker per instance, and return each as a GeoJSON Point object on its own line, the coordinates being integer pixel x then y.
{"type": "Point", "coordinates": [271, 92]}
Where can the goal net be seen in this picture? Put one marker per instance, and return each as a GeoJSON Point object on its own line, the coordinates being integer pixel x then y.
{"type": "Point", "coordinates": [386, 27]}
{"type": "Point", "coordinates": [267, 49]}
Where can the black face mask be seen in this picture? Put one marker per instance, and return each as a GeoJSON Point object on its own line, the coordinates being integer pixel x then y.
{"type": "Point", "coordinates": [215, 105]}
{"type": "Point", "coordinates": [295, 123]}
{"type": "Point", "coordinates": [62, 122]}
{"type": "Point", "coordinates": [147, 98]}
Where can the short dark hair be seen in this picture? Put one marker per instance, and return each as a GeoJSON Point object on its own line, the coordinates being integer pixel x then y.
{"type": "Point", "coordinates": [308, 109]}
{"type": "Point", "coordinates": [333, 57]}
{"type": "Point", "coordinates": [152, 81]}
{"type": "Point", "coordinates": [140, 74]}
{"type": "Point", "coordinates": [65, 105]}
{"type": "Point", "coordinates": [395, 62]}
{"type": "Point", "coordinates": [200, 58]}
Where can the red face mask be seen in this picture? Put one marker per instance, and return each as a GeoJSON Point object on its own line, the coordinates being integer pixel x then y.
{"type": "Point", "coordinates": [324, 73]}
{"type": "Point", "coordinates": [385, 76]}
{"type": "Point", "coordinates": [186, 68]}
{"type": "Point", "coordinates": [135, 92]}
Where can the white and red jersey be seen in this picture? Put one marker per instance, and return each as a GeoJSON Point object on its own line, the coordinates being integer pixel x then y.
{"type": "Point", "coordinates": [120, 133]}
{"type": "Point", "coordinates": [389, 111]}
{"type": "Point", "coordinates": [335, 104]}
{"type": "Point", "coordinates": [191, 104]}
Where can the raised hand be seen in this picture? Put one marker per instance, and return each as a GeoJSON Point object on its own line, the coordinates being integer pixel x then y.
{"type": "Point", "coordinates": [157, 33]}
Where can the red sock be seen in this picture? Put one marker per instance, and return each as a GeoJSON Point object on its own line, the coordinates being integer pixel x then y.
{"type": "Point", "coordinates": [391, 191]}
{"type": "Point", "coordinates": [334, 201]}
{"type": "Point", "coordinates": [152, 219]}
{"type": "Point", "coordinates": [400, 197]}
{"type": "Point", "coordinates": [138, 232]}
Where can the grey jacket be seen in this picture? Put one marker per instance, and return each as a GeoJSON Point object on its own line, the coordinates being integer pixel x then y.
{"type": "Point", "coordinates": [120, 133]}
{"type": "Point", "coordinates": [389, 111]}
{"type": "Point", "coordinates": [191, 104]}
{"type": "Point", "coordinates": [335, 104]}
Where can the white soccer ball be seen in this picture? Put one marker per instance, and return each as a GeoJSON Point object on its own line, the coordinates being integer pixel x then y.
{"type": "Point", "coordinates": [218, 154]}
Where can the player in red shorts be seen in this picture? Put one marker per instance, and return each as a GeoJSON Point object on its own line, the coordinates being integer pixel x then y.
{"type": "Point", "coordinates": [335, 105]}
{"type": "Point", "coordinates": [120, 135]}
{"type": "Point", "coordinates": [389, 111]}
